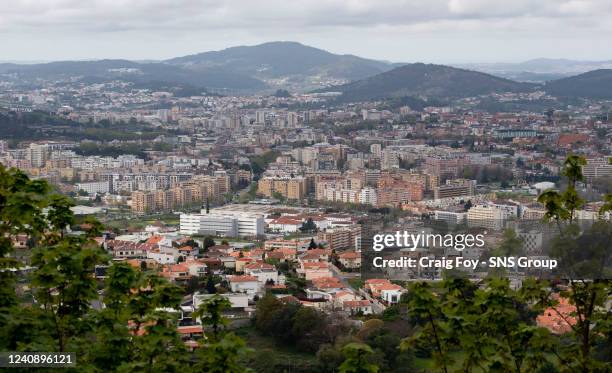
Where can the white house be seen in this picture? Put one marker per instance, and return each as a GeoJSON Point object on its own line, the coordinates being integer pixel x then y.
{"type": "Point", "coordinates": [285, 225]}
{"type": "Point", "coordinates": [237, 300]}
{"type": "Point", "coordinates": [391, 294]}
{"type": "Point", "coordinates": [164, 255]}
{"type": "Point", "coordinates": [245, 284]}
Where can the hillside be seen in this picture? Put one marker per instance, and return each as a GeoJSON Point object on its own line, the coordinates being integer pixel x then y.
{"type": "Point", "coordinates": [595, 84]}
{"type": "Point", "coordinates": [296, 67]}
{"type": "Point", "coordinates": [264, 67]}
{"type": "Point", "coordinates": [142, 73]}
{"type": "Point", "coordinates": [284, 60]}
{"type": "Point", "coordinates": [427, 80]}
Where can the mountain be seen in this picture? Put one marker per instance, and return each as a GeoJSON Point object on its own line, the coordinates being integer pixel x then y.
{"type": "Point", "coordinates": [427, 80]}
{"type": "Point", "coordinates": [264, 67]}
{"type": "Point", "coordinates": [290, 62]}
{"type": "Point", "coordinates": [292, 66]}
{"type": "Point", "coordinates": [539, 69]}
{"type": "Point", "coordinates": [595, 84]}
{"type": "Point", "coordinates": [141, 73]}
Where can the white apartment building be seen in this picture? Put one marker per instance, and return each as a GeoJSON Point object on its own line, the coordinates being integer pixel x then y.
{"type": "Point", "coordinates": [450, 217]}
{"type": "Point", "coordinates": [207, 224]}
{"type": "Point", "coordinates": [226, 223]}
{"type": "Point", "coordinates": [368, 196]}
{"type": "Point", "coordinates": [260, 117]}
{"type": "Point", "coordinates": [96, 187]}
{"type": "Point", "coordinates": [486, 216]}
{"type": "Point", "coordinates": [596, 168]}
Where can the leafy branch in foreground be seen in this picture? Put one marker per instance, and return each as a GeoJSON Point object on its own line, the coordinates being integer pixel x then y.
{"type": "Point", "coordinates": [126, 324]}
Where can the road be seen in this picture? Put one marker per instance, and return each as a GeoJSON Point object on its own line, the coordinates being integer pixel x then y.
{"type": "Point", "coordinates": [377, 306]}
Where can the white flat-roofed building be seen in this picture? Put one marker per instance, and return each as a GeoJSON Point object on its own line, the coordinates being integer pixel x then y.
{"type": "Point", "coordinates": [96, 187]}
{"type": "Point", "coordinates": [237, 300]}
{"type": "Point", "coordinates": [450, 217]}
{"type": "Point", "coordinates": [227, 223]}
{"type": "Point", "coordinates": [368, 196]}
{"type": "Point", "coordinates": [486, 216]}
{"type": "Point", "coordinates": [207, 224]}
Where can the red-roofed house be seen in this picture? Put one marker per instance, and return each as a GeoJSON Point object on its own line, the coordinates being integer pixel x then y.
{"type": "Point", "coordinates": [327, 283]}
{"type": "Point", "coordinates": [225, 249]}
{"type": "Point", "coordinates": [190, 332]}
{"type": "Point", "coordinates": [384, 289]}
{"type": "Point", "coordinates": [558, 320]}
{"type": "Point", "coordinates": [357, 306]}
{"type": "Point", "coordinates": [244, 284]}
{"type": "Point", "coordinates": [154, 240]}
{"type": "Point", "coordinates": [175, 272]}
{"type": "Point", "coordinates": [391, 293]}
{"type": "Point", "coordinates": [342, 296]}
{"type": "Point", "coordinates": [568, 139]}
{"type": "Point", "coordinates": [285, 225]}
{"type": "Point", "coordinates": [263, 271]}
{"type": "Point", "coordinates": [282, 254]}
{"type": "Point", "coordinates": [296, 244]}
{"type": "Point", "coordinates": [350, 259]}
{"type": "Point", "coordinates": [242, 262]}
{"type": "Point", "coordinates": [315, 270]}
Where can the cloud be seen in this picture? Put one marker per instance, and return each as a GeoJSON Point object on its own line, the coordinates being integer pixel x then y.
{"type": "Point", "coordinates": [112, 15]}
{"type": "Point", "coordinates": [363, 25]}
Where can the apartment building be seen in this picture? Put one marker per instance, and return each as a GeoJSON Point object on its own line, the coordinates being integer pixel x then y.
{"type": "Point", "coordinates": [289, 187]}
{"type": "Point", "coordinates": [455, 188]}
{"type": "Point", "coordinates": [96, 187]}
{"type": "Point", "coordinates": [486, 216]}
{"type": "Point", "coordinates": [341, 238]}
{"type": "Point", "coordinates": [226, 223]}
{"type": "Point", "coordinates": [596, 168]}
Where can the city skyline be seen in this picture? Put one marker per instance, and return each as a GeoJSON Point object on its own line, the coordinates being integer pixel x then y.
{"type": "Point", "coordinates": [455, 31]}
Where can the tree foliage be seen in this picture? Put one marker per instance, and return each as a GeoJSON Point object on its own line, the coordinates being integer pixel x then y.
{"type": "Point", "coordinates": [127, 326]}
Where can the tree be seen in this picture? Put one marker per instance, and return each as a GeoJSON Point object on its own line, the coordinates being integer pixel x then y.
{"type": "Point", "coordinates": [468, 205]}
{"type": "Point", "coordinates": [356, 359]}
{"type": "Point", "coordinates": [264, 312]}
{"type": "Point", "coordinates": [308, 226]}
{"type": "Point", "coordinates": [511, 244]}
{"type": "Point", "coordinates": [60, 216]}
{"type": "Point", "coordinates": [491, 324]}
{"type": "Point", "coordinates": [210, 313]}
{"type": "Point", "coordinates": [157, 345]}
{"type": "Point", "coordinates": [587, 290]}
{"type": "Point", "coordinates": [562, 206]}
{"type": "Point", "coordinates": [21, 212]}
{"type": "Point", "coordinates": [222, 351]}
{"type": "Point", "coordinates": [425, 308]}
{"type": "Point", "coordinates": [607, 206]}
{"type": "Point", "coordinates": [223, 356]}
{"type": "Point", "coordinates": [279, 196]}
{"type": "Point", "coordinates": [62, 282]}
{"type": "Point", "coordinates": [312, 244]}
{"type": "Point", "coordinates": [210, 285]}
{"type": "Point", "coordinates": [208, 243]}
{"type": "Point", "coordinates": [309, 328]}
{"type": "Point", "coordinates": [329, 358]}
{"type": "Point", "coordinates": [132, 333]}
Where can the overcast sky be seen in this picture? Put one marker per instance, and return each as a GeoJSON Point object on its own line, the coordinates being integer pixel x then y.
{"type": "Point", "coordinates": [443, 31]}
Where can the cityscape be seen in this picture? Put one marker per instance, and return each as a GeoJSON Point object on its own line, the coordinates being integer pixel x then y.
{"type": "Point", "coordinates": [277, 207]}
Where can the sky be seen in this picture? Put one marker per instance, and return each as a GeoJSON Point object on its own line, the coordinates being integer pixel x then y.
{"type": "Point", "coordinates": [439, 31]}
